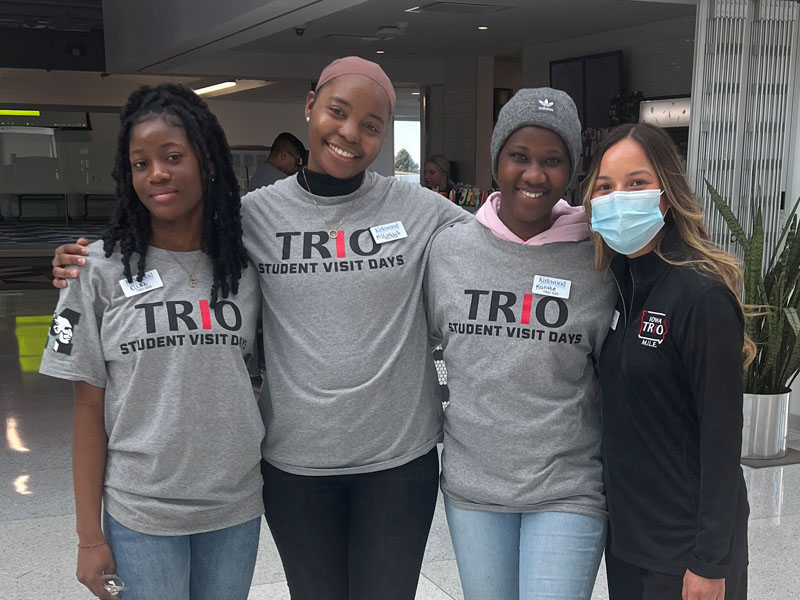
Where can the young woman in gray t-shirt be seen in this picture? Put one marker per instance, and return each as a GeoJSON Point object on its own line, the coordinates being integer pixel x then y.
{"type": "Point", "coordinates": [522, 315]}
{"type": "Point", "coordinates": [154, 335]}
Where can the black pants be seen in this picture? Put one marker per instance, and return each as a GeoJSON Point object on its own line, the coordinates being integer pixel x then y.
{"type": "Point", "coordinates": [352, 537]}
{"type": "Point", "coordinates": [629, 582]}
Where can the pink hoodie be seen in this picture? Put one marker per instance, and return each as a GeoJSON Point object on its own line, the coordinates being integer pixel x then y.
{"type": "Point", "coordinates": [569, 224]}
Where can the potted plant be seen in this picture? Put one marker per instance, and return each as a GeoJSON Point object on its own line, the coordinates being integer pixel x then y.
{"type": "Point", "coordinates": [772, 301]}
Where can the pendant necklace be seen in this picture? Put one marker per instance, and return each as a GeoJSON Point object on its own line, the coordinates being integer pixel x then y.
{"type": "Point", "coordinates": [332, 231]}
{"type": "Point", "coordinates": [190, 273]}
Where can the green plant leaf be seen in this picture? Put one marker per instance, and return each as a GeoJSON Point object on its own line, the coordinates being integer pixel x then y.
{"type": "Point", "coordinates": [790, 219]}
{"type": "Point", "coordinates": [774, 328]}
{"type": "Point", "coordinates": [753, 262]}
{"type": "Point", "coordinates": [733, 223]}
{"type": "Point", "coordinates": [792, 363]}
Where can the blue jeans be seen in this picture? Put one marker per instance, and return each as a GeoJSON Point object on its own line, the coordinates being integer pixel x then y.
{"type": "Point", "coordinates": [216, 565]}
{"type": "Point", "coordinates": [526, 556]}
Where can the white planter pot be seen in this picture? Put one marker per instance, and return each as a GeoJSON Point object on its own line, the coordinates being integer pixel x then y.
{"type": "Point", "coordinates": [765, 426]}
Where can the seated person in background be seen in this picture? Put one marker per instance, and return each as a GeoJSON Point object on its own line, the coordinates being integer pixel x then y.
{"type": "Point", "coordinates": [285, 158]}
{"type": "Point", "coordinates": [436, 174]}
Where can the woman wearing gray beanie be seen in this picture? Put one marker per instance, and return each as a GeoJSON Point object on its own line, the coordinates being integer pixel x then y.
{"type": "Point", "coordinates": [522, 315]}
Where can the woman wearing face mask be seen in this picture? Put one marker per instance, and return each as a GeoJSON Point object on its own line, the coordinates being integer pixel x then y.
{"type": "Point", "coordinates": [166, 429]}
{"type": "Point", "coordinates": [671, 375]}
{"type": "Point", "coordinates": [522, 315]}
{"type": "Point", "coordinates": [436, 174]}
{"type": "Point", "coordinates": [350, 398]}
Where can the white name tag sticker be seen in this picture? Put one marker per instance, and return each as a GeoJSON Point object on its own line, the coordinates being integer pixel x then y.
{"type": "Point", "coordinates": [551, 286]}
{"type": "Point", "coordinates": [388, 233]}
{"type": "Point", "coordinates": [614, 320]}
{"type": "Point", "coordinates": [150, 281]}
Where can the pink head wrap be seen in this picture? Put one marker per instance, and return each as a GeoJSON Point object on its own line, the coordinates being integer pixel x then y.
{"type": "Point", "coordinates": [353, 65]}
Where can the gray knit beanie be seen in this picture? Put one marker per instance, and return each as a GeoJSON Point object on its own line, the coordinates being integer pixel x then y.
{"type": "Point", "coordinates": [542, 107]}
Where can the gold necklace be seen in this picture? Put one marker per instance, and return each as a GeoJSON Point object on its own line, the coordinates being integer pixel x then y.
{"type": "Point", "coordinates": [332, 231]}
{"type": "Point", "coordinates": [192, 279]}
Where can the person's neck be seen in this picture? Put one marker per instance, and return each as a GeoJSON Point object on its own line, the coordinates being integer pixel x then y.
{"type": "Point", "coordinates": [525, 230]}
{"type": "Point", "coordinates": [322, 184]}
{"type": "Point", "coordinates": [271, 162]}
{"type": "Point", "coordinates": [177, 239]}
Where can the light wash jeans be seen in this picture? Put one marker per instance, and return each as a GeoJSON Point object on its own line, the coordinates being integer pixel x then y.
{"type": "Point", "coordinates": [216, 565]}
{"type": "Point", "coordinates": [526, 556]}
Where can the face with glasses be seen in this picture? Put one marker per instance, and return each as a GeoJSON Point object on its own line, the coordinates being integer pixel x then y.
{"type": "Point", "coordinates": [288, 162]}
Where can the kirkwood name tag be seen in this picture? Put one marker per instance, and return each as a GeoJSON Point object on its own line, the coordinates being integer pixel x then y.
{"type": "Point", "coordinates": [150, 281]}
{"type": "Point", "coordinates": [388, 233]}
{"type": "Point", "coordinates": [551, 286]}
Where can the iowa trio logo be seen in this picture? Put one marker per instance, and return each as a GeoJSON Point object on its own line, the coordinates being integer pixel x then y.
{"type": "Point", "coordinates": [62, 327]}
{"type": "Point", "coordinates": [652, 328]}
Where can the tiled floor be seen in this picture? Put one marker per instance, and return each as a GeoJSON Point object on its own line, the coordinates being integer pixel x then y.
{"type": "Point", "coordinates": [37, 541]}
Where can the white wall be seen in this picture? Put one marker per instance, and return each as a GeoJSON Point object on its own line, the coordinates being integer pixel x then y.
{"type": "Point", "coordinates": [254, 123]}
{"type": "Point", "coordinates": [657, 57]}
{"type": "Point", "coordinates": [508, 73]}
{"type": "Point", "coordinates": [484, 112]}
{"type": "Point", "coordinates": [459, 116]}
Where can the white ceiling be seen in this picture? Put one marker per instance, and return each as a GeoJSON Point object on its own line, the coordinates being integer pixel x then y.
{"type": "Point", "coordinates": [438, 35]}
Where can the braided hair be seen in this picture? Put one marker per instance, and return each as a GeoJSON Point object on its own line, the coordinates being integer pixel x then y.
{"type": "Point", "coordinates": [222, 224]}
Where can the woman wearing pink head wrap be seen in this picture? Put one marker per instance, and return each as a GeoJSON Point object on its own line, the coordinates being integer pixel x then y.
{"type": "Point", "coordinates": [350, 399]}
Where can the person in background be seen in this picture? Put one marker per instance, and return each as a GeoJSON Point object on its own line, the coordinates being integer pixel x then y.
{"type": "Point", "coordinates": [436, 174]}
{"type": "Point", "coordinates": [166, 461]}
{"type": "Point", "coordinates": [285, 158]}
{"type": "Point", "coordinates": [522, 315]}
{"type": "Point", "coordinates": [671, 374]}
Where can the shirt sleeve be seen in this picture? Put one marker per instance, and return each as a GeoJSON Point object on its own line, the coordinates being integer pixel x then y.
{"type": "Point", "coordinates": [429, 293]}
{"type": "Point", "coordinates": [74, 346]}
{"type": "Point", "coordinates": [449, 213]}
{"type": "Point", "coordinates": [713, 361]}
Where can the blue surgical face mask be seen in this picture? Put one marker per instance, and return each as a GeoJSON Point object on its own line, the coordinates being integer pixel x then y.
{"type": "Point", "coordinates": [627, 221]}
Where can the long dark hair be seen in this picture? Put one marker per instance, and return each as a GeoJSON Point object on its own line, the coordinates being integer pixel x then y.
{"type": "Point", "coordinates": [222, 224]}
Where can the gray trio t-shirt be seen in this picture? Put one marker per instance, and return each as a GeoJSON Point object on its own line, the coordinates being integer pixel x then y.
{"type": "Point", "coordinates": [350, 386]}
{"type": "Point", "coordinates": [183, 427]}
{"type": "Point", "coordinates": [522, 430]}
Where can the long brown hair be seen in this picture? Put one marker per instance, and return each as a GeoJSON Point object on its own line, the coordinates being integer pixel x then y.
{"type": "Point", "coordinates": [687, 214]}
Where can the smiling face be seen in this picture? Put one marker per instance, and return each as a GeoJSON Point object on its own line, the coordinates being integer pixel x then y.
{"type": "Point", "coordinates": [433, 177]}
{"type": "Point", "coordinates": [166, 174]}
{"type": "Point", "coordinates": [533, 173]}
{"type": "Point", "coordinates": [349, 119]}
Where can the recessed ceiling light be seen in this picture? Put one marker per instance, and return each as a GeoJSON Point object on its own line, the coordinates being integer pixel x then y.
{"type": "Point", "coordinates": [214, 88]}
{"type": "Point", "coordinates": [482, 28]}
{"type": "Point", "coordinates": [380, 52]}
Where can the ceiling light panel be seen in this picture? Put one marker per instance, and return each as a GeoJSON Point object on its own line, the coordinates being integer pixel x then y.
{"type": "Point", "coordinates": [461, 8]}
